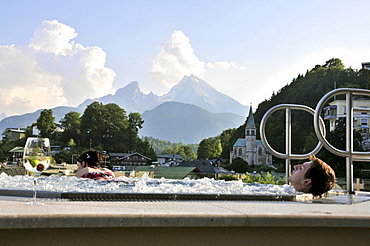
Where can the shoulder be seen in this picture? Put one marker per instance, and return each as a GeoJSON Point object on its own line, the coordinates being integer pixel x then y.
{"type": "Point", "coordinates": [106, 170]}
{"type": "Point", "coordinates": [81, 172]}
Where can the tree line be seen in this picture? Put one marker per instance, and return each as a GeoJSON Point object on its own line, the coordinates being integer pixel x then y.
{"type": "Point", "coordinates": [102, 127]}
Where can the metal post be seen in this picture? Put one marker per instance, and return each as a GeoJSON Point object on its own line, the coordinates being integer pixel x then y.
{"type": "Point", "coordinates": [349, 141]}
{"type": "Point", "coordinates": [288, 143]}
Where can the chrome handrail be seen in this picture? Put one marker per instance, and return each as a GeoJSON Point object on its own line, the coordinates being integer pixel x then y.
{"type": "Point", "coordinates": [319, 128]}
{"type": "Point", "coordinates": [288, 156]}
{"type": "Point", "coordinates": [349, 153]}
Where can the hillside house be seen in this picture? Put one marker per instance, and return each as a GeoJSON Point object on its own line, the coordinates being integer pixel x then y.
{"type": "Point", "coordinates": [337, 109]}
{"type": "Point", "coordinates": [17, 155]}
{"type": "Point", "coordinates": [13, 134]}
{"type": "Point", "coordinates": [169, 160]}
{"type": "Point", "coordinates": [366, 65]}
{"type": "Point", "coordinates": [127, 161]}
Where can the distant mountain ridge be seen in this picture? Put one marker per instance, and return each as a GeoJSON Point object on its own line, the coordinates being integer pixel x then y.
{"type": "Point", "coordinates": [191, 92]}
{"type": "Point", "coordinates": [186, 123]}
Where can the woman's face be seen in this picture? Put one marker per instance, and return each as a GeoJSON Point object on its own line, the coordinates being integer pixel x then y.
{"type": "Point", "coordinates": [80, 165]}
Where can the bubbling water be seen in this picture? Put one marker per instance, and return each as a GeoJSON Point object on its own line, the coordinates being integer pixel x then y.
{"type": "Point", "coordinates": [55, 183]}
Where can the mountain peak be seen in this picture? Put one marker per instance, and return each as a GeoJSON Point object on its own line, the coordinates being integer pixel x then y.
{"type": "Point", "coordinates": [193, 90]}
{"type": "Point", "coordinates": [131, 88]}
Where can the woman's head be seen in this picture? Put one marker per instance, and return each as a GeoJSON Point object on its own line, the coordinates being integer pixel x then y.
{"type": "Point", "coordinates": [90, 158]}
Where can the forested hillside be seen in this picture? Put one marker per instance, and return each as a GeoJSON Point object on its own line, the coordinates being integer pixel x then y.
{"type": "Point", "coordinates": [307, 90]}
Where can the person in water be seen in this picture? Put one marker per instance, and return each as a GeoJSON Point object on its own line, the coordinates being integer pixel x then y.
{"type": "Point", "coordinates": [315, 177]}
{"type": "Point", "coordinates": [88, 166]}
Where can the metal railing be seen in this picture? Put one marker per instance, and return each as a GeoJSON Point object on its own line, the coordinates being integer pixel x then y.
{"type": "Point", "coordinates": [319, 128]}
{"type": "Point", "coordinates": [288, 156]}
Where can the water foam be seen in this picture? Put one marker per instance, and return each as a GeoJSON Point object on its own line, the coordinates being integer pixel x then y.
{"type": "Point", "coordinates": [55, 183]}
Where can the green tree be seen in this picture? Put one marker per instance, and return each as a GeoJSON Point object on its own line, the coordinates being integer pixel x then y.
{"type": "Point", "coordinates": [185, 151]}
{"type": "Point", "coordinates": [108, 127]}
{"type": "Point", "coordinates": [135, 122]}
{"type": "Point", "coordinates": [225, 138]}
{"type": "Point", "coordinates": [209, 148]}
{"type": "Point", "coordinates": [71, 143]}
{"type": "Point", "coordinates": [71, 124]}
{"type": "Point", "coordinates": [239, 165]}
{"type": "Point", "coordinates": [45, 123]}
{"type": "Point", "coordinates": [114, 126]}
{"type": "Point", "coordinates": [166, 147]}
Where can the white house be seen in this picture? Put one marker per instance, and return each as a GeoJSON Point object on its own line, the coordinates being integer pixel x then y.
{"type": "Point", "coordinates": [337, 109]}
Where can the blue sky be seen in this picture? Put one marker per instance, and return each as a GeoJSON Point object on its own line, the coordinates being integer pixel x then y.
{"type": "Point", "coordinates": [62, 52]}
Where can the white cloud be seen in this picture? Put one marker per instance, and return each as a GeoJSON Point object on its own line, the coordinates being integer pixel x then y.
{"type": "Point", "coordinates": [175, 60]}
{"type": "Point", "coordinates": [224, 66]}
{"type": "Point", "coordinates": [53, 37]}
{"type": "Point", "coordinates": [51, 71]}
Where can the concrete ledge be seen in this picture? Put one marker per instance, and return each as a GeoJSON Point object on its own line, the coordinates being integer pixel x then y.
{"type": "Point", "coordinates": [61, 222]}
{"type": "Point", "coordinates": [165, 220]}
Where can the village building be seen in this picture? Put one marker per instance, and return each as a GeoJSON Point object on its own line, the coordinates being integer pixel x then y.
{"type": "Point", "coordinates": [17, 155]}
{"type": "Point", "coordinates": [170, 172]}
{"type": "Point", "coordinates": [249, 148]}
{"type": "Point", "coordinates": [209, 168]}
{"type": "Point", "coordinates": [127, 161]}
{"type": "Point", "coordinates": [169, 160]}
{"type": "Point", "coordinates": [337, 109]}
{"type": "Point", "coordinates": [13, 134]}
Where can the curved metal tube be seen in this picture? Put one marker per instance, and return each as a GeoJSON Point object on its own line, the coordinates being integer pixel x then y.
{"type": "Point", "coordinates": [288, 155]}
{"type": "Point", "coordinates": [349, 124]}
{"type": "Point", "coordinates": [349, 153]}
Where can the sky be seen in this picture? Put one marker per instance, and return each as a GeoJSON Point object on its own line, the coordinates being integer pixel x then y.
{"type": "Point", "coordinates": [59, 53]}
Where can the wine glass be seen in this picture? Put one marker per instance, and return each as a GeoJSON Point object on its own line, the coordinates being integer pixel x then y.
{"type": "Point", "coordinates": [36, 159]}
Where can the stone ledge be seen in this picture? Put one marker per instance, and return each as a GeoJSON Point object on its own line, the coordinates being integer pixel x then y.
{"type": "Point", "coordinates": [179, 220]}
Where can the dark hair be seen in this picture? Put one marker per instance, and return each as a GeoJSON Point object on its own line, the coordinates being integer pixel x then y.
{"type": "Point", "coordinates": [91, 157]}
{"type": "Point", "coordinates": [322, 177]}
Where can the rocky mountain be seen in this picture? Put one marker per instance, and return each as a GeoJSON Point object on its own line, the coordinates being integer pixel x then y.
{"type": "Point", "coordinates": [186, 123]}
{"type": "Point", "coordinates": [192, 90]}
{"type": "Point", "coordinates": [130, 98]}
{"type": "Point", "coordinates": [190, 93]}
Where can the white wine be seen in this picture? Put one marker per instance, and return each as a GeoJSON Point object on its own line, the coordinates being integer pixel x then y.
{"type": "Point", "coordinates": [36, 164]}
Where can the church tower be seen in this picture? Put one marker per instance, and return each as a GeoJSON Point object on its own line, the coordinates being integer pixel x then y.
{"type": "Point", "coordinates": [250, 139]}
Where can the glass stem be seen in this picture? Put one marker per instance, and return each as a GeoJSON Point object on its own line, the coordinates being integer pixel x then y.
{"type": "Point", "coordinates": [34, 188]}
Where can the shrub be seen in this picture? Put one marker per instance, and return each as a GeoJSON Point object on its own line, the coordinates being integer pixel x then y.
{"type": "Point", "coordinates": [228, 177]}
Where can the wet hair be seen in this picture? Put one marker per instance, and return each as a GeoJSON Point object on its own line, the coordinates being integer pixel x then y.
{"type": "Point", "coordinates": [322, 177]}
{"type": "Point", "coordinates": [92, 158]}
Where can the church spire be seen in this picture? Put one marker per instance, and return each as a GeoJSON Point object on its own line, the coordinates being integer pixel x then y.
{"type": "Point", "coordinates": [250, 119]}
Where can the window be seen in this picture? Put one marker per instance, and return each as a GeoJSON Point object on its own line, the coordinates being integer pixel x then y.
{"type": "Point", "coordinates": [240, 152]}
{"type": "Point", "coordinates": [363, 122]}
{"type": "Point", "coordinates": [259, 151]}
